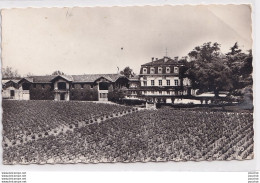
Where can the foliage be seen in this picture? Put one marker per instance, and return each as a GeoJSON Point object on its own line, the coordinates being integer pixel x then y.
{"type": "Point", "coordinates": [58, 73]}
{"type": "Point", "coordinates": [160, 135]}
{"type": "Point", "coordinates": [118, 94]}
{"type": "Point", "coordinates": [10, 73]}
{"type": "Point", "coordinates": [208, 70]}
{"type": "Point", "coordinates": [127, 71]}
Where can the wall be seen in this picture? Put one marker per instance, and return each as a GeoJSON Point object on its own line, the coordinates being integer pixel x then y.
{"type": "Point", "coordinates": [164, 82]}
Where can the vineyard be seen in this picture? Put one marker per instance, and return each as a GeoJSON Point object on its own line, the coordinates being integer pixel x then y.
{"type": "Point", "coordinates": [74, 132]}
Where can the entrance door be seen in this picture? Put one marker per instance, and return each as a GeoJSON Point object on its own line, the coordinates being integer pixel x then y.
{"type": "Point", "coordinates": [62, 96]}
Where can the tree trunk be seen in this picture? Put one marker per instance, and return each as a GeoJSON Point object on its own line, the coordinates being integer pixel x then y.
{"type": "Point", "coordinates": [216, 92]}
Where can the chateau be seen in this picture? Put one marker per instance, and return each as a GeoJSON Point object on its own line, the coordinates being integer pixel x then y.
{"type": "Point", "coordinates": [160, 80]}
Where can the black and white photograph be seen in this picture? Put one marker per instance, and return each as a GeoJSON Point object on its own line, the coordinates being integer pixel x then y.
{"type": "Point", "coordinates": [88, 85]}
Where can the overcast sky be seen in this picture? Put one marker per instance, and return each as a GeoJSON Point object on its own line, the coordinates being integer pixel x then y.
{"type": "Point", "coordinates": [98, 40]}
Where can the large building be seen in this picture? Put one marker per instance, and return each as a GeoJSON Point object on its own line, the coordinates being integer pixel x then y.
{"type": "Point", "coordinates": [161, 80]}
{"type": "Point", "coordinates": [89, 87]}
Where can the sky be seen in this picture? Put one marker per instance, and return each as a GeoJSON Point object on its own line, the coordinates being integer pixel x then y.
{"type": "Point", "coordinates": [100, 39]}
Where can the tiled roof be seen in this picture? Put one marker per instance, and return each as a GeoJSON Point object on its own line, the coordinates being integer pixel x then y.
{"type": "Point", "coordinates": [94, 77]}
{"type": "Point", "coordinates": [42, 79]}
{"type": "Point", "coordinates": [74, 78]}
{"type": "Point", "coordinates": [162, 61]}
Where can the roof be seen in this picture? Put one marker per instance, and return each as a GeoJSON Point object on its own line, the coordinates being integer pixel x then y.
{"type": "Point", "coordinates": [28, 79]}
{"type": "Point", "coordinates": [94, 77]}
{"type": "Point", "coordinates": [66, 77]}
{"type": "Point", "coordinates": [74, 78]}
{"type": "Point", "coordinates": [4, 81]}
{"type": "Point", "coordinates": [162, 61]}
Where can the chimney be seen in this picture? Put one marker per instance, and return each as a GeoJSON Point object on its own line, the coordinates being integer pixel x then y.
{"type": "Point", "coordinates": [152, 59]}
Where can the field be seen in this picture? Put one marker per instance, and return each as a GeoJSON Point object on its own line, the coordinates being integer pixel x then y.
{"type": "Point", "coordinates": [85, 132]}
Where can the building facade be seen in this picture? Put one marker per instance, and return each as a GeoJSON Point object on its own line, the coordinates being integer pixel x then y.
{"type": "Point", "coordinates": [89, 87]}
{"type": "Point", "coordinates": [161, 80]}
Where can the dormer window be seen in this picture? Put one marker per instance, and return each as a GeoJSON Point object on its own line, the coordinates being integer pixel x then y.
{"type": "Point", "coordinates": [159, 70]}
{"type": "Point", "coordinates": [144, 70]}
{"type": "Point", "coordinates": [168, 70]}
{"type": "Point", "coordinates": [152, 70]}
{"type": "Point", "coordinates": [176, 70]}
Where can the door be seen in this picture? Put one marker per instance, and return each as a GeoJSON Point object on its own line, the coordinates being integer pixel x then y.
{"type": "Point", "coordinates": [12, 93]}
{"type": "Point", "coordinates": [62, 96]}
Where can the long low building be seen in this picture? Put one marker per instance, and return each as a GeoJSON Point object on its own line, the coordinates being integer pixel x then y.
{"type": "Point", "coordinates": [88, 87]}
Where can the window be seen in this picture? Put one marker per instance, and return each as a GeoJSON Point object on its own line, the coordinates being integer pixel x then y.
{"type": "Point", "coordinates": [168, 70]}
{"type": "Point", "coordinates": [62, 86]}
{"type": "Point", "coordinates": [26, 86]}
{"type": "Point", "coordinates": [12, 93]}
{"type": "Point", "coordinates": [103, 86]}
{"type": "Point", "coordinates": [168, 82]}
{"type": "Point", "coordinates": [160, 82]}
{"type": "Point", "coordinates": [144, 70]}
{"type": "Point", "coordinates": [152, 70]}
{"type": "Point", "coordinates": [145, 83]}
{"type": "Point", "coordinates": [82, 86]}
{"type": "Point", "coordinates": [160, 92]}
{"type": "Point", "coordinates": [91, 86]}
{"type": "Point", "coordinates": [73, 86]}
{"type": "Point", "coordinates": [176, 70]}
{"type": "Point", "coordinates": [152, 92]}
{"type": "Point", "coordinates": [152, 82]}
{"type": "Point", "coordinates": [168, 92]}
{"type": "Point", "coordinates": [34, 85]}
{"type": "Point", "coordinates": [43, 86]}
{"type": "Point", "coordinates": [176, 82]}
{"type": "Point", "coordinates": [159, 70]}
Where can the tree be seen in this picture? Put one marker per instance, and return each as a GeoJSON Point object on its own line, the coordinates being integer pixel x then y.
{"type": "Point", "coordinates": [29, 74]}
{"type": "Point", "coordinates": [58, 73]}
{"type": "Point", "coordinates": [127, 71]}
{"type": "Point", "coordinates": [208, 70]}
{"type": "Point", "coordinates": [10, 73]}
{"type": "Point", "coordinates": [241, 68]}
